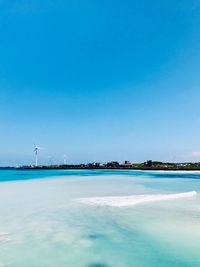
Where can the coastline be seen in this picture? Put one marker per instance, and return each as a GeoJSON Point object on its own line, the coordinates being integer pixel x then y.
{"type": "Point", "coordinates": [100, 168]}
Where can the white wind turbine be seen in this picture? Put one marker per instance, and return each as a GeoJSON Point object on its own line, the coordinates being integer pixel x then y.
{"type": "Point", "coordinates": [65, 160]}
{"type": "Point", "coordinates": [36, 149]}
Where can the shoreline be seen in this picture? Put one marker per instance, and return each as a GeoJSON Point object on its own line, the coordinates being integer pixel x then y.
{"type": "Point", "coordinates": [99, 168]}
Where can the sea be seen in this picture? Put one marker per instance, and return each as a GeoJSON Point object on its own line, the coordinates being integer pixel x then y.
{"type": "Point", "coordinates": [99, 218]}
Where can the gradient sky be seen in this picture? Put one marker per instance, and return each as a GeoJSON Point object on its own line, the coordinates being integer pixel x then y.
{"type": "Point", "coordinates": [99, 80]}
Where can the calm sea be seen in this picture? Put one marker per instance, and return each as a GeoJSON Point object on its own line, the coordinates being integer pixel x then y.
{"type": "Point", "coordinates": [43, 223]}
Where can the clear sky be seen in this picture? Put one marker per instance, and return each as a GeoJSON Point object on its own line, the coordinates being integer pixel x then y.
{"type": "Point", "coordinates": [99, 80]}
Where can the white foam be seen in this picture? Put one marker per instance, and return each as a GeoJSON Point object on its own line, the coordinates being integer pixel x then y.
{"type": "Point", "coordinates": [4, 237]}
{"type": "Point", "coordinates": [133, 200]}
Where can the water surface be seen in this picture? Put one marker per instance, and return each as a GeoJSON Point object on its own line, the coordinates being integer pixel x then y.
{"type": "Point", "coordinates": [42, 224]}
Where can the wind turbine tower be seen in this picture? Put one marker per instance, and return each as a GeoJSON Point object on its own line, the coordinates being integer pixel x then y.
{"type": "Point", "coordinates": [36, 149]}
{"type": "Point", "coordinates": [65, 160]}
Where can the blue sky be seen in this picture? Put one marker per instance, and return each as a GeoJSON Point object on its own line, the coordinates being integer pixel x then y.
{"type": "Point", "coordinates": [99, 80]}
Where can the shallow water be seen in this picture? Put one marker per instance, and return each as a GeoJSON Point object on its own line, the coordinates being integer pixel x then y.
{"type": "Point", "coordinates": [42, 224]}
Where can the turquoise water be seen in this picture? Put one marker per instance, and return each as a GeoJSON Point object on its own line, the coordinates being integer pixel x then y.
{"type": "Point", "coordinates": [42, 224]}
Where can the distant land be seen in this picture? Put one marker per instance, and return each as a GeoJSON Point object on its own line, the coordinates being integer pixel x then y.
{"type": "Point", "coordinates": [127, 165]}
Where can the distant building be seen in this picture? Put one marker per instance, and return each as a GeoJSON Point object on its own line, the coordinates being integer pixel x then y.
{"type": "Point", "coordinates": [93, 165]}
{"type": "Point", "coordinates": [113, 164]}
{"type": "Point", "coordinates": [127, 164]}
{"type": "Point", "coordinates": [149, 163]}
